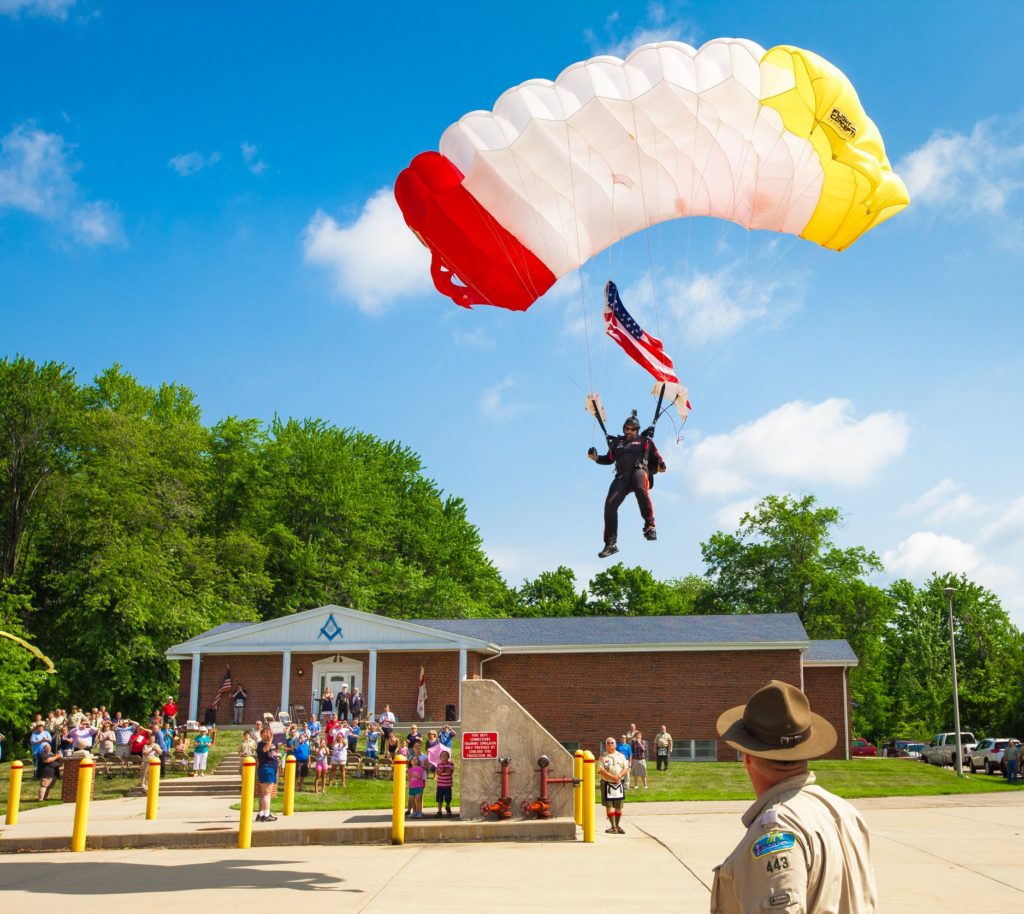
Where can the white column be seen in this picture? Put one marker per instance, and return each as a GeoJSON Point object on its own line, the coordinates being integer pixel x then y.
{"type": "Point", "coordinates": [462, 676]}
{"type": "Point", "coordinates": [193, 690]}
{"type": "Point", "coordinates": [286, 677]}
{"type": "Point", "coordinates": [371, 686]}
{"type": "Point", "coordinates": [846, 715]}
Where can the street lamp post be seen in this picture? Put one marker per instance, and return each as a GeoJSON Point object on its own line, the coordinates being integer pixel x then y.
{"type": "Point", "coordinates": [958, 756]}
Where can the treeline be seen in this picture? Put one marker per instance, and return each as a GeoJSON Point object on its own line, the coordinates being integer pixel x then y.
{"type": "Point", "coordinates": [126, 526]}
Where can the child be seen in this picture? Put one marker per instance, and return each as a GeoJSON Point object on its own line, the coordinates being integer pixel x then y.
{"type": "Point", "coordinates": [200, 752]}
{"type": "Point", "coordinates": [320, 784]}
{"type": "Point", "coordinates": [372, 740]}
{"type": "Point", "coordinates": [445, 773]}
{"type": "Point", "coordinates": [339, 758]}
{"type": "Point", "coordinates": [417, 775]}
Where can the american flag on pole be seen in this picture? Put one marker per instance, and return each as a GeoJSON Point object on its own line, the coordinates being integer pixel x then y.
{"type": "Point", "coordinates": [640, 346]}
{"type": "Point", "coordinates": [421, 698]}
{"type": "Point", "coordinates": [225, 688]}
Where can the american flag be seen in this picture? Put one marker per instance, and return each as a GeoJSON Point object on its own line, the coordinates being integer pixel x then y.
{"type": "Point", "coordinates": [640, 346]}
{"type": "Point", "coordinates": [225, 688]}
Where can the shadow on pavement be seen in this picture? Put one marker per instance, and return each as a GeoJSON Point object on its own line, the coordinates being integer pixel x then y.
{"type": "Point", "coordinates": [109, 878]}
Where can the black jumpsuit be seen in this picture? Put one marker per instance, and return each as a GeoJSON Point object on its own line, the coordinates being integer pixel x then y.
{"type": "Point", "coordinates": [632, 459]}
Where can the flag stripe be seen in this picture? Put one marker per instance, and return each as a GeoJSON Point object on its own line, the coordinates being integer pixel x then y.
{"type": "Point", "coordinates": [644, 349]}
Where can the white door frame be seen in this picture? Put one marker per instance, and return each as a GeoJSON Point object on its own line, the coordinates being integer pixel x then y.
{"type": "Point", "coordinates": [340, 669]}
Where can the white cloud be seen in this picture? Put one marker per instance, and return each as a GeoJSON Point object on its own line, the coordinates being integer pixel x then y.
{"type": "Point", "coordinates": [800, 443]}
{"type": "Point", "coordinates": [943, 503]}
{"type": "Point", "coordinates": [190, 163]}
{"type": "Point", "coordinates": [659, 24]}
{"type": "Point", "coordinates": [374, 260]}
{"type": "Point", "coordinates": [495, 406]}
{"type": "Point", "coordinates": [1008, 526]}
{"type": "Point", "coordinates": [50, 9]}
{"type": "Point", "coordinates": [251, 157]}
{"type": "Point", "coordinates": [728, 517]}
{"type": "Point", "coordinates": [37, 177]}
{"type": "Point", "coordinates": [96, 223]}
{"type": "Point", "coordinates": [965, 174]}
{"type": "Point", "coordinates": [709, 307]}
{"type": "Point", "coordinates": [925, 552]}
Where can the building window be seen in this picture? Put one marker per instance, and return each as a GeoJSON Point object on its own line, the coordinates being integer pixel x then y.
{"type": "Point", "coordinates": [695, 750]}
{"type": "Point", "coordinates": [570, 745]}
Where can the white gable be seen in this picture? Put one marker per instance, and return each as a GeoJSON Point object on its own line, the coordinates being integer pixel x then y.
{"type": "Point", "coordinates": [328, 628]}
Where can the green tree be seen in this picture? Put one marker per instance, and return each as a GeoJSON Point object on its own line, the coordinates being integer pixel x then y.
{"type": "Point", "coordinates": [551, 593]}
{"type": "Point", "coordinates": [783, 559]}
{"type": "Point", "coordinates": [622, 591]}
{"type": "Point", "coordinates": [38, 412]}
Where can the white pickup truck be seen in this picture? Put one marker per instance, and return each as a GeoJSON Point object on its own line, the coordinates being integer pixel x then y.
{"type": "Point", "coordinates": [941, 749]}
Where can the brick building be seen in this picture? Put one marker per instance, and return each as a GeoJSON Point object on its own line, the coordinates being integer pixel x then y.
{"type": "Point", "coordinates": [582, 678]}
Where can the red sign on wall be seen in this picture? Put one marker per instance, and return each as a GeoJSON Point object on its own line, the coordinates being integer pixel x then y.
{"type": "Point", "coordinates": [479, 745]}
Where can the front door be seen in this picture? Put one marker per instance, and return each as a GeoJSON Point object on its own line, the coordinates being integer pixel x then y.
{"type": "Point", "coordinates": [333, 673]}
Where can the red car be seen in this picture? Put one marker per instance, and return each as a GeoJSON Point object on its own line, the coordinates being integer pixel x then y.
{"type": "Point", "coordinates": [861, 747]}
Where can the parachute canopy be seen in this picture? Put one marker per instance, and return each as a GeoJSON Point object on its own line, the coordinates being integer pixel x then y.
{"type": "Point", "coordinates": [522, 195]}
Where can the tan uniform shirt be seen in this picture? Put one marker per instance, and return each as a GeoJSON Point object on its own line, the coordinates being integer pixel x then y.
{"type": "Point", "coordinates": [805, 852]}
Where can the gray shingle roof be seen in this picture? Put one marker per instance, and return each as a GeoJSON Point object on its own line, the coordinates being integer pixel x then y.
{"type": "Point", "coordinates": [780, 627]}
{"type": "Point", "coordinates": [836, 651]}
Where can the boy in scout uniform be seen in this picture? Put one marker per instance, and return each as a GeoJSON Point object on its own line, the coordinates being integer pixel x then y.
{"type": "Point", "coordinates": [805, 849]}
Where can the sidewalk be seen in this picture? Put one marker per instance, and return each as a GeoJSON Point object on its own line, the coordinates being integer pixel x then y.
{"type": "Point", "coordinates": [963, 852]}
{"type": "Point", "coordinates": [207, 821]}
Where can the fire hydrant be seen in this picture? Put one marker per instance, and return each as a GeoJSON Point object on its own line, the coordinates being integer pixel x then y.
{"type": "Point", "coordinates": [502, 809]}
{"type": "Point", "coordinates": [541, 807]}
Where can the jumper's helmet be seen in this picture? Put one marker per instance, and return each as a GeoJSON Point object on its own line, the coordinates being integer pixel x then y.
{"type": "Point", "coordinates": [632, 422]}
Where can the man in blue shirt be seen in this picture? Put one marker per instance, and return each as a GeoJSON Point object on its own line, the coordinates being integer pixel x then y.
{"type": "Point", "coordinates": [164, 744]}
{"type": "Point", "coordinates": [39, 737]}
{"type": "Point", "coordinates": [301, 752]}
{"type": "Point", "coordinates": [626, 750]}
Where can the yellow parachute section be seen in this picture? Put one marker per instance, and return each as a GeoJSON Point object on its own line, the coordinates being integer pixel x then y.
{"type": "Point", "coordinates": [34, 651]}
{"type": "Point", "coordinates": [816, 101]}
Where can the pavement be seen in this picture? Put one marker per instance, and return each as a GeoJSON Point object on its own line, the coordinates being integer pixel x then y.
{"type": "Point", "coordinates": [959, 852]}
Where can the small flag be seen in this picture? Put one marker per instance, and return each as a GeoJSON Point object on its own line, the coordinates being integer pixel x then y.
{"type": "Point", "coordinates": [640, 346]}
{"type": "Point", "coordinates": [421, 698]}
{"type": "Point", "coordinates": [225, 688]}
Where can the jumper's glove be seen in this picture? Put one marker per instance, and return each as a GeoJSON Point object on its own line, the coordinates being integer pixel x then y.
{"type": "Point", "coordinates": [592, 453]}
{"type": "Point", "coordinates": [662, 467]}
{"type": "Point", "coordinates": [648, 432]}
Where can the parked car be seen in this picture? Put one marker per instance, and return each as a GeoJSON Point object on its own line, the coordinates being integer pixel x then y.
{"type": "Point", "coordinates": [900, 748]}
{"type": "Point", "coordinates": [941, 749]}
{"type": "Point", "coordinates": [914, 750]}
{"type": "Point", "coordinates": [860, 748]}
{"type": "Point", "coordinates": [988, 755]}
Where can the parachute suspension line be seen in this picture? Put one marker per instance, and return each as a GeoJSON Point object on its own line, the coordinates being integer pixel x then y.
{"type": "Point", "coordinates": [576, 221]}
{"type": "Point", "coordinates": [647, 230]}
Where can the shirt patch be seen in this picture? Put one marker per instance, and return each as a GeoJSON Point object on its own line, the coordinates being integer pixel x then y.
{"type": "Point", "coordinates": [777, 900]}
{"type": "Point", "coordinates": [773, 843]}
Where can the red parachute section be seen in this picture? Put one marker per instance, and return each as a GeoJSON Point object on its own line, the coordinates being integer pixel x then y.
{"type": "Point", "coordinates": [466, 241]}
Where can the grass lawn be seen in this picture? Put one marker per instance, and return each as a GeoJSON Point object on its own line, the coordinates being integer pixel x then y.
{"type": "Point", "coordinates": [856, 778]}
{"type": "Point", "coordinates": [683, 781]}
{"type": "Point", "coordinates": [107, 788]}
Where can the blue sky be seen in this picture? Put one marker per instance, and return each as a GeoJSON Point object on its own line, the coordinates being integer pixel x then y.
{"type": "Point", "coordinates": [202, 193]}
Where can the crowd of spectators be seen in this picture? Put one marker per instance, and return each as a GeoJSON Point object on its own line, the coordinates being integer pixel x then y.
{"type": "Point", "coordinates": [61, 733]}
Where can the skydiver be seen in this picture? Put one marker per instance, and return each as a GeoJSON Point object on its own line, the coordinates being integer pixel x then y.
{"type": "Point", "coordinates": [636, 460]}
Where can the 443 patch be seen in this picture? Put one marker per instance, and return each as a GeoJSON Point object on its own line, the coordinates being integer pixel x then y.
{"type": "Point", "coordinates": [774, 842]}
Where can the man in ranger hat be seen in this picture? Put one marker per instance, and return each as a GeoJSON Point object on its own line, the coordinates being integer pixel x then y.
{"type": "Point", "coordinates": [805, 849]}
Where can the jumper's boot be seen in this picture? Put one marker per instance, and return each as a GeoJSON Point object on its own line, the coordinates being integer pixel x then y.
{"type": "Point", "coordinates": [609, 549]}
{"type": "Point", "coordinates": [650, 533]}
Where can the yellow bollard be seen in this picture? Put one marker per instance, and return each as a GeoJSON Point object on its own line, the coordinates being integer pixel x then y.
{"type": "Point", "coordinates": [589, 773]}
{"type": "Point", "coordinates": [577, 787]}
{"type": "Point", "coordinates": [398, 802]}
{"type": "Point", "coordinates": [153, 787]}
{"type": "Point", "coordinates": [85, 772]}
{"type": "Point", "coordinates": [14, 793]}
{"type": "Point", "coordinates": [248, 790]}
{"type": "Point", "coordinates": [289, 784]}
